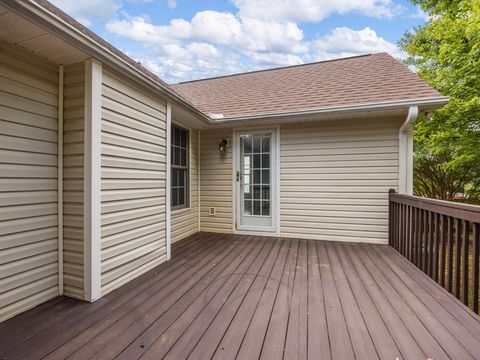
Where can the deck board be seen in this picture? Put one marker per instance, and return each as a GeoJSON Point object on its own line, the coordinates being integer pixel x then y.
{"type": "Point", "coordinates": [248, 297]}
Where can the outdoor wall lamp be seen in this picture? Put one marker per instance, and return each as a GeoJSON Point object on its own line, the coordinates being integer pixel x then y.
{"type": "Point", "coordinates": [222, 147]}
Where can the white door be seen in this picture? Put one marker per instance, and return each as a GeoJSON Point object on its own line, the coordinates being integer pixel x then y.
{"type": "Point", "coordinates": [256, 180]}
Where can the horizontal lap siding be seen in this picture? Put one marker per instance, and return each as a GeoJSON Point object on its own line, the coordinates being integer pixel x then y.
{"type": "Point", "coordinates": [334, 179]}
{"type": "Point", "coordinates": [184, 222]}
{"type": "Point", "coordinates": [28, 181]}
{"type": "Point", "coordinates": [73, 170]}
{"type": "Point", "coordinates": [133, 182]}
{"type": "Point", "coordinates": [215, 182]}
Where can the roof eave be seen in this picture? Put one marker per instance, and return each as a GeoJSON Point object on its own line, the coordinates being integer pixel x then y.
{"type": "Point", "coordinates": [88, 45]}
{"type": "Point", "coordinates": [428, 103]}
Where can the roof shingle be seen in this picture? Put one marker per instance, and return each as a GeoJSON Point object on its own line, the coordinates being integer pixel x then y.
{"type": "Point", "coordinates": [365, 79]}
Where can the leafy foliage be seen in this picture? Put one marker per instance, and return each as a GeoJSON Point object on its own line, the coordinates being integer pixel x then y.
{"type": "Point", "coordinates": [446, 53]}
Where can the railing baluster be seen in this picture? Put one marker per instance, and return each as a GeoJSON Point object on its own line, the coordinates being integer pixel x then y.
{"type": "Point", "coordinates": [420, 239]}
{"type": "Point", "coordinates": [425, 241]}
{"type": "Point", "coordinates": [441, 251]}
{"type": "Point", "coordinates": [436, 243]}
{"type": "Point", "coordinates": [409, 232]}
{"type": "Point", "coordinates": [431, 243]}
{"type": "Point", "coordinates": [397, 226]}
{"type": "Point", "coordinates": [414, 235]}
{"type": "Point", "coordinates": [475, 266]}
{"type": "Point", "coordinates": [465, 258]}
{"type": "Point", "coordinates": [402, 226]}
{"type": "Point", "coordinates": [450, 254]}
{"type": "Point", "coordinates": [458, 263]}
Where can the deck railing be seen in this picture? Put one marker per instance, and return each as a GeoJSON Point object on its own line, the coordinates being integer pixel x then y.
{"type": "Point", "coordinates": [441, 238]}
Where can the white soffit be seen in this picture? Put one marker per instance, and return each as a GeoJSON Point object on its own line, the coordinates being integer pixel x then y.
{"type": "Point", "coordinates": [19, 31]}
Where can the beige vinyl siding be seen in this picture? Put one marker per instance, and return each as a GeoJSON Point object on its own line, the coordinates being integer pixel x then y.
{"type": "Point", "coordinates": [184, 222]}
{"type": "Point", "coordinates": [28, 181]}
{"type": "Point", "coordinates": [133, 182]}
{"type": "Point", "coordinates": [215, 181]}
{"type": "Point", "coordinates": [335, 177]}
{"type": "Point", "coordinates": [73, 173]}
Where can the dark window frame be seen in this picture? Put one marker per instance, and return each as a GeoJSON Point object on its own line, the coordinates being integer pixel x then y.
{"type": "Point", "coordinates": [180, 168]}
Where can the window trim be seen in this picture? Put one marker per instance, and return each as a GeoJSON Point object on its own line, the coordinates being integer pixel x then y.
{"type": "Point", "coordinates": [187, 202]}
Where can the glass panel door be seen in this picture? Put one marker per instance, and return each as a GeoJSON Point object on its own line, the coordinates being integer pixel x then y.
{"type": "Point", "coordinates": [255, 180]}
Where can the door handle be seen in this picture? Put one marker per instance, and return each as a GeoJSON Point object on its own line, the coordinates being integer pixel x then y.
{"type": "Point", "coordinates": [238, 175]}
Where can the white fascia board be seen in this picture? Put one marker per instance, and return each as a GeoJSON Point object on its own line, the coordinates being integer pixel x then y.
{"type": "Point", "coordinates": [386, 105]}
{"type": "Point", "coordinates": [92, 180]}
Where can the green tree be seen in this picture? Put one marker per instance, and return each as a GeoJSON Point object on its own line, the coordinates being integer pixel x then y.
{"type": "Point", "coordinates": [446, 53]}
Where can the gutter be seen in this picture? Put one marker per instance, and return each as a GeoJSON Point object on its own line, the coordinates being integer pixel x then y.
{"type": "Point", "coordinates": [384, 105]}
{"type": "Point", "coordinates": [409, 122]}
{"type": "Point", "coordinates": [405, 152]}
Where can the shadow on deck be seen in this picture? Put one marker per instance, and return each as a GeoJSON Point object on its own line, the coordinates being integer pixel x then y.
{"type": "Point", "coordinates": [249, 297]}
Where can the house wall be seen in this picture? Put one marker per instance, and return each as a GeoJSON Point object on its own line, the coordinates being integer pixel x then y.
{"type": "Point", "coordinates": [28, 181]}
{"type": "Point", "coordinates": [184, 222]}
{"type": "Point", "coordinates": [215, 182]}
{"type": "Point", "coordinates": [133, 169]}
{"type": "Point", "coordinates": [73, 175]}
{"type": "Point", "coordinates": [334, 179]}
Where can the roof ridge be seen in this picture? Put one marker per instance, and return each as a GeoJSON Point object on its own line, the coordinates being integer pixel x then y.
{"type": "Point", "coordinates": [278, 68]}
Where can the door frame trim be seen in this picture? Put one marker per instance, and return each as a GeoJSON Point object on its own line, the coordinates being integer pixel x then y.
{"type": "Point", "coordinates": [276, 193]}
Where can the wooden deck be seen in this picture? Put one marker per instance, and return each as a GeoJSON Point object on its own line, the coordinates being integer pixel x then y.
{"type": "Point", "coordinates": [227, 296]}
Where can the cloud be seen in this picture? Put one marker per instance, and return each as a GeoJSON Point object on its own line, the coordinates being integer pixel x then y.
{"type": "Point", "coordinates": [86, 11]}
{"type": "Point", "coordinates": [314, 10]}
{"type": "Point", "coordinates": [343, 41]}
{"type": "Point", "coordinates": [217, 43]}
{"type": "Point", "coordinates": [420, 14]}
{"type": "Point", "coordinates": [217, 28]}
{"type": "Point", "coordinates": [261, 34]}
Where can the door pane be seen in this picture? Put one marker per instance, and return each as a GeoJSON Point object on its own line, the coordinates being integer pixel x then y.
{"type": "Point", "coordinates": [256, 144]}
{"type": "Point", "coordinates": [256, 161]}
{"type": "Point", "coordinates": [256, 176]}
{"type": "Point", "coordinates": [266, 161]}
{"type": "Point", "coordinates": [256, 192]}
{"type": "Point", "coordinates": [256, 208]}
{"type": "Point", "coordinates": [266, 144]}
{"type": "Point", "coordinates": [247, 207]}
{"type": "Point", "coordinates": [265, 176]}
{"type": "Point", "coordinates": [247, 143]}
{"type": "Point", "coordinates": [265, 192]}
{"type": "Point", "coordinates": [266, 208]}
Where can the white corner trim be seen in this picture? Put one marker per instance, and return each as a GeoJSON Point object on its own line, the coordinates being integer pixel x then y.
{"type": "Point", "coordinates": [92, 180]}
{"type": "Point", "coordinates": [405, 149]}
{"type": "Point", "coordinates": [278, 182]}
{"type": "Point", "coordinates": [168, 183]}
{"type": "Point", "coordinates": [199, 227]}
{"type": "Point", "coordinates": [233, 147]}
{"type": "Point", "coordinates": [60, 178]}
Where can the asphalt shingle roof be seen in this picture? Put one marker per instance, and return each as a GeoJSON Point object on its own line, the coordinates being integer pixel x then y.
{"type": "Point", "coordinates": [365, 79]}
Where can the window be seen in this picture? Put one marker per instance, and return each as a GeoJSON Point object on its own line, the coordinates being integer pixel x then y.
{"type": "Point", "coordinates": [180, 178]}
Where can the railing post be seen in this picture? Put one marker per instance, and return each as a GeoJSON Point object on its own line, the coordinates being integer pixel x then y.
{"type": "Point", "coordinates": [390, 217]}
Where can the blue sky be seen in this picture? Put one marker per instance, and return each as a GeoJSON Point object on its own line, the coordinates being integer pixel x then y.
{"type": "Point", "coordinates": [186, 39]}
